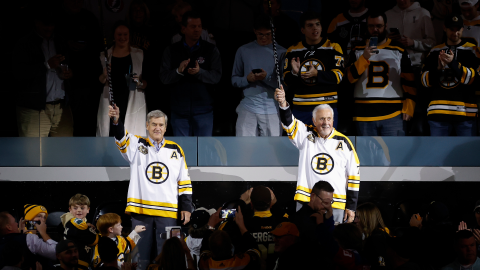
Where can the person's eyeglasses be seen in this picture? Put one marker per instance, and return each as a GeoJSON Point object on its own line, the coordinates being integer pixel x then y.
{"type": "Point", "coordinates": [375, 26]}
{"type": "Point", "coordinates": [261, 35]}
{"type": "Point", "coordinates": [323, 119]}
{"type": "Point", "coordinates": [323, 200]}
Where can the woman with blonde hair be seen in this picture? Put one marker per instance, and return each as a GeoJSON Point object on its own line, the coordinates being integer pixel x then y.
{"type": "Point", "coordinates": [375, 233]}
{"type": "Point", "coordinates": [370, 219]}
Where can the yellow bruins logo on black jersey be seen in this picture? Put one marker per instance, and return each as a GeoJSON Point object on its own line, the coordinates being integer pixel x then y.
{"type": "Point", "coordinates": [448, 79]}
{"type": "Point", "coordinates": [322, 163]}
{"type": "Point", "coordinates": [157, 172]}
{"type": "Point", "coordinates": [305, 67]}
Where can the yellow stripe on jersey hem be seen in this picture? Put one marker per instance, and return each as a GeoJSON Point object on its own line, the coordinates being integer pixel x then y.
{"type": "Point", "coordinates": [317, 95]}
{"type": "Point", "coordinates": [314, 102]}
{"type": "Point", "coordinates": [184, 190]}
{"type": "Point", "coordinates": [301, 197]}
{"type": "Point", "coordinates": [377, 118]}
{"type": "Point", "coordinates": [354, 177]}
{"type": "Point", "coordinates": [338, 205]}
{"type": "Point", "coordinates": [339, 196]}
{"type": "Point", "coordinates": [448, 112]}
{"type": "Point", "coordinates": [304, 189]}
{"type": "Point", "coordinates": [171, 205]}
{"type": "Point", "coordinates": [378, 101]}
{"type": "Point", "coordinates": [186, 182]}
{"type": "Point", "coordinates": [151, 212]}
{"type": "Point", "coordinates": [447, 102]}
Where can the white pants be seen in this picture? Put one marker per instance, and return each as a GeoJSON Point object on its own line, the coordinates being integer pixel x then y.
{"type": "Point", "coordinates": [251, 124]}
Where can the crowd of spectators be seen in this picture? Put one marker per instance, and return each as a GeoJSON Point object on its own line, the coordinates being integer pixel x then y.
{"type": "Point", "coordinates": [210, 66]}
{"type": "Point", "coordinates": [249, 232]}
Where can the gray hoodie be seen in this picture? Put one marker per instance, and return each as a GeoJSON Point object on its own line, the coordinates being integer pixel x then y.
{"type": "Point", "coordinates": [413, 22]}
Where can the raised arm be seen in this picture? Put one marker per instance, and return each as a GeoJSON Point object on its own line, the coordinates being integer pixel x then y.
{"type": "Point", "coordinates": [125, 142]}
{"type": "Point", "coordinates": [296, 129]}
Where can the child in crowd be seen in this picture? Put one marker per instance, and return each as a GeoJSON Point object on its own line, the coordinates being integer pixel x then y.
{"type": "Point", "coordinates": [35, 213]}
{"type": "Point", "coordinates": [79, 231]}
{"type": "Point", "coordinates": [110, 225]}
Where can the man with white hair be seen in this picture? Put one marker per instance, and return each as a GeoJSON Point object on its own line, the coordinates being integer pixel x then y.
{"type": "Point", "coordinates": [325, 154]}
{"type": "Point", "coordinates": [159, 180]}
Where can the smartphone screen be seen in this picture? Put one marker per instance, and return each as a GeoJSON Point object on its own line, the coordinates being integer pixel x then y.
{"type": "Point", "coordinates": [257, 70]}
{"type": "Point", "coordinates": [175, 233]}
{"type": "Point", "coordinates": [373, 42]}
{"type": "Point", "coordinates": [228, 213]}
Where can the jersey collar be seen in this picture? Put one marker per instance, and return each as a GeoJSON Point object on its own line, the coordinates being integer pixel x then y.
{"type": "Point", "coordinates": [262, 214]}
{"type": "Point", "coordinates": [314, 47]}
{"type": "Point", "coordinates": [387, 43]}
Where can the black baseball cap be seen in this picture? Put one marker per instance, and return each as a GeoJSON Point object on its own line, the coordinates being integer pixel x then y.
{"type": "Point", "coordinates": [199, 218]}
{"type": "Point", "coordinates": [454, 20]}
{"type": "Point", "coordinates": [477, 206]}
{"type": "Point", "coordinates": [64, 245]}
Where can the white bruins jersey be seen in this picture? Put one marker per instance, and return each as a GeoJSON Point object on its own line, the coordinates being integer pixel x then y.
{"type": "Point", "coordinates": [333, 160]}
{"type": "Point", "coordinates": [384, 84]}
{"type": "Point", "coordinates": [158, 180]}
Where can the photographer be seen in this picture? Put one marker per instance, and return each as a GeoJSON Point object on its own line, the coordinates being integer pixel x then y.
{"type": "Point", "coordinates": [34, 247]}
{"type": "Point", "coordinates": [34, 215]}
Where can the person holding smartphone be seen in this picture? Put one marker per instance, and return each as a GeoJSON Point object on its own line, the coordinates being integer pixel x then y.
{"type": "Point", "coordinates": [385, 91]}
{"type": "Point", "coordinates": [36, 248]}
{"type": "Point", "coordinates": [450, 72]}
{"type": "Point", "coordinates": [416, 32]}
{"type": "Point", "coordinates": [254, 73]}
{"type": "Point", "coordinates": [192, 66]}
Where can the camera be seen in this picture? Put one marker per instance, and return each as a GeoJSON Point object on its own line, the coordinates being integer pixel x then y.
{"type": "Point", "coordinates": [31, 224]}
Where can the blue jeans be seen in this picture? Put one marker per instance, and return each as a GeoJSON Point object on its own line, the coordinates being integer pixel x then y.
{"type": "Point", "coordinates": [389, 127]}
{"type": "Point", "coordinates": [463, 128]}
{"type": "Point", "coordinates": [306, 117]}
{"type": "Point", "coordinates": [198, 123]}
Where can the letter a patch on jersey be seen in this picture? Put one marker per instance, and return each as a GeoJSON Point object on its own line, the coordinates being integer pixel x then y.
{"type": "Point", "coordinates": [174, 155]}
{"type": "Point", "coordinates": [339, 146]}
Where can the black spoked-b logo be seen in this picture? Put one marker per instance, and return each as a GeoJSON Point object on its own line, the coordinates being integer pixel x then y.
{"type": "Point", "coordinates": [322, 163]}
{"type": "Point", "coordinates": [157, 172]}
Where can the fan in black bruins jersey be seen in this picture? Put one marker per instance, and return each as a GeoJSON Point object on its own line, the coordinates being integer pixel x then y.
{"type": "Point", "coordinates": [450, 74]}
{"type": "Point", "coordinates": [384, 83]}
{"type": "Point", "coordinates": [263, 222]}
{"type": "Point", "coordinates": [313, 70]}
{"type": "Point", "coordinates": [348, 28]}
